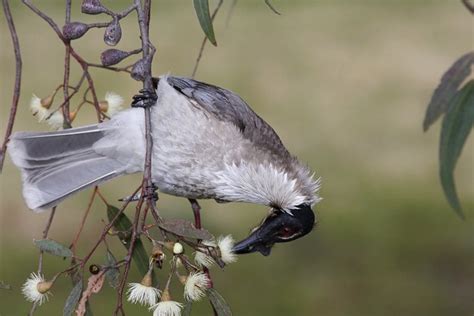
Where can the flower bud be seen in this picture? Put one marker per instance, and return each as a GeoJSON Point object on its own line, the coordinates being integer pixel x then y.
{"type": "Point", "coordinates": [112, 56]}
{"type": "Point", "coordinates": [147, 279]}
{"type": "Point", "coordinates": [183, 279]}
{"type": "Point", "coordinates": [94, 269]}
{"type": "Point", "coordinates": [178, 248]}
{"type": "Point", "coordinates": [113, 33]}
{"type": "Point", "coordinates": [138, 70]}
{"type": "Point", "coordinates": [157, 252]}
{"type": "Point", "coordinates": [47, 101]}
{"type": "Point", "coordinates": [74, 30]}
{"type": "Point", "coordinates": [92, 7]}
{"type": "Point", "coordinates": [44, 287]}
{"type": "Point", "coordinates": [72, 115]}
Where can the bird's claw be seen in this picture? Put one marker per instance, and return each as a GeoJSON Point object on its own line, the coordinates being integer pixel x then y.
{"type": "Point", "coordinates": [145, 99]}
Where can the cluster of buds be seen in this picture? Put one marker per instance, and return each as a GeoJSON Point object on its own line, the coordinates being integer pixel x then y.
{"type": "Point", "coordinates": [41, 108]}
{"type": "Point", "coordinates": [112, 35]}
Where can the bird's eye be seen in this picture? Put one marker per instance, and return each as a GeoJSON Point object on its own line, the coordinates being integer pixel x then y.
{"type": "Point", "coordinates": [286, 232]}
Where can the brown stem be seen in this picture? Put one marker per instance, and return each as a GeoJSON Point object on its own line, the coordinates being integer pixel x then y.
{"type": "Point", "coordinates": [83, 221]}
{"type": "Point", "coordinates": [105, 231]}
{"type": "Point", "coordinates": [197, 212]}
{"type": "Point", "coordinates": [17, 86]}
{"type": "Point", "coordinates": [67, 71]}
{"type": "Point", "coordinates": [128, 260]}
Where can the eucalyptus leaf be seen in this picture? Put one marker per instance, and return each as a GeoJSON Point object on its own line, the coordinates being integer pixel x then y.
{"type": "Point", "coordinates": [267, 2]}
{"type": "Point", "coordinates": [53, 247]}
{"type": "Point", "coordinates": [457, 125]}
{"type": "Point", "coordinates": [218, 302]}
{"type": "Point", "coordinates": [202, 11]}
{"type": "Point", "coordinates": [447, 88]}
{"type": "Point", "coordinates": [124, 226]}
{"type": "Point", "coordinates": [112, 275]}
{"type": "Point", "coordinates": [73, 299]}
{"type": "Point", "coordinates": [185, 228]}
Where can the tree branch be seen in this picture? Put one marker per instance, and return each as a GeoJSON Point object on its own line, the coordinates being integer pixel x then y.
{"type": "Point", "coordinates": [17, 86]}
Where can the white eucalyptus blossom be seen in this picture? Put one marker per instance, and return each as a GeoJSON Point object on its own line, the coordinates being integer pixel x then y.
{"type": "Point", "coordinates": [225, 245]}
{"type": "Point", "coordinates": [196, 285]}
{"type": "Point", "coordinates": [167, 307]}
{"type": "Point", "coordinates": [38, 110]}
{"type": "Point", "coordinates": [112, 104]}
{"type": "Point", "coordinates": [204, 259]}
{"type": "Point", "coordinates": [36, 289]}
{"type": "Point", "coordinates": [143, 293]}
{"type": "Point", "coordinates": [56, 120]}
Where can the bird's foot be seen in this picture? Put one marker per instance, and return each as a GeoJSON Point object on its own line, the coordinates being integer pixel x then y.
{"type": "Point", "coordinates": [145, 99]}
{"type": "Point", "coordinates": [151, 191]}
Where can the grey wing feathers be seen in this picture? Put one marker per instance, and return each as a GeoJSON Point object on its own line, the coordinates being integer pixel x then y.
{"type": "Point", "coordinates": [228, 106]}
{"type": "Point", "coordinates": [55, 165]}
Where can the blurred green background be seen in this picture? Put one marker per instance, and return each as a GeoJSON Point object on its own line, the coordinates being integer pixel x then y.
{"type": "Point", "coordinates": [345, 84]}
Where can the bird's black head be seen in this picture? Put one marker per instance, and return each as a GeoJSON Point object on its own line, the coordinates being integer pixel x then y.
{"type": "Point", "coordinates": [278, 226]}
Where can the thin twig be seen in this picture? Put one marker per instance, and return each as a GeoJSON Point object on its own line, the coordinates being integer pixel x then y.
{"type": "Point", "coordinates": [83, 221]}
{"type": "Point", "coordinates": [230, 12]}
{"type": "Point", "coordinates": [17, 86]}
{"type": "Point", "coordinates": [45, 235]}
{"type": "Point", "coordinates": [67, 71]}
{"type": "Point", "coordinates": [204, 41]}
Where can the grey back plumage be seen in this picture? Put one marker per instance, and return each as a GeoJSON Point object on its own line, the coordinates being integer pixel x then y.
{"type": "Point", "coordinates": [228, 106]}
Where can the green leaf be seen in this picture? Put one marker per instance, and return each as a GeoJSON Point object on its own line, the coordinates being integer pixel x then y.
{"type": "Point", "coordinates": [204, 17]}
{"type": "Point", "coordinates": [187, 308]}
{"type": "Point", "coordinates": [112, 274]}
{"type": "Point", "coordinates": [267, 2]}
{"type": "Point", "coordinates": [4, 286]}
{"type": "Point", "coordinates": [447, 88]}
{"type": "Point", "coordinates": [457, 125]}
{"type": "Point", "coordinates": [124, 226]}
{"type": "Point", "coordinates": [218, 302]}
{"type": "Point", "coordinates": [185, 228]}
{"type": "Point", "coordinates": [73, 299]}
{"type": "Point", "coordinates": [53, 247]}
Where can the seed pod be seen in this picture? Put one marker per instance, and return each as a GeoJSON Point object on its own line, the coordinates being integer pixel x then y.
{"type": "Point", "coordinates": [138, 70]}
{"type": "Point", "coordinates": [92, 7]}
{"type": "Point", "coordinates": [113, 56]}
{"type": "Point", "coordinates": [74, 30]}
{"type": "Point", "coordinates": [113, 33]}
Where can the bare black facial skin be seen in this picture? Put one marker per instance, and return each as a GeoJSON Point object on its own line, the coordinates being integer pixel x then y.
{"type": "Point", "coordinates": [278, 227]}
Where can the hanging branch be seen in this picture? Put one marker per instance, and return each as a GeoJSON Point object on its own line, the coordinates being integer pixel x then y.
{"type": "Point", "coordinates": [17, 86]}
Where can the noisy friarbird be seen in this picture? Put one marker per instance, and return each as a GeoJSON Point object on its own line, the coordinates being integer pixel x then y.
{"type": "Point", "coordinates": [207, 144]}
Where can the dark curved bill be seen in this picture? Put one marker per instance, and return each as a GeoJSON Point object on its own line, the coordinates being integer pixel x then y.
{"type": "Point", "coordinates": [251, 244]}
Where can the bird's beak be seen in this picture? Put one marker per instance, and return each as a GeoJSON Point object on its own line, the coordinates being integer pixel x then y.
{"type": "Point", "coordinates": [251, 244]}
{"type": "Point", "coordinates": [278, 227]}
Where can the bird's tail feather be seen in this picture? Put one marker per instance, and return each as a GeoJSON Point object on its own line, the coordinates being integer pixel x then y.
{"type": "Point", "coordinates": [55, 165]}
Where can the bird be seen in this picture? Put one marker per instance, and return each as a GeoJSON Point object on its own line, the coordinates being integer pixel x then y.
{"type": "Point", "coordinates": [207, 144]}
